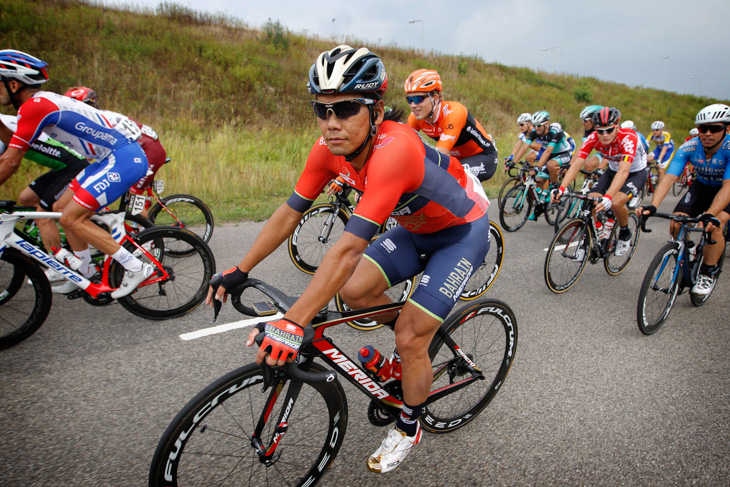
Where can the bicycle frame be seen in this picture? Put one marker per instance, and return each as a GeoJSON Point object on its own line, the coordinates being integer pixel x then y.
{"type": "Point", "coordinates": [324, 348]}
{"type": "Point", "coordinates": [9, 238]}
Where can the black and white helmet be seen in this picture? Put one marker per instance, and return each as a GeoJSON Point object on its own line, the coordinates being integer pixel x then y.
{"type": "Point", "coordinates": [348, 70]}
{"type": "Point", "coordinates": [658, 125]}
{"type": "Point", "coordinates": [713, 114]}
{"type": "Point", "coordinates": [524, 117]}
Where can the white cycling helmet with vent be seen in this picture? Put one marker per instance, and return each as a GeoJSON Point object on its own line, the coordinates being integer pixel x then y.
{"type": "Point", "coordinates": [694, 132]}
{"type": "Point", "coordinates": [524, 117]}
{"type": "Point", "coordinates": [628, 124]}
{"type": "Point", "coordinates": [658, 125]}
{"type": "Point", "coordinates": [713, 114]}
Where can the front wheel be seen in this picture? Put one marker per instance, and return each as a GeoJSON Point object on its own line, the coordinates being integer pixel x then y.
{"type": "Point", "coordinates": [659, 289]}
{"type": "Point", "coordinates": [512, 181]}
{"type": "Point", "coordinates": [210, 441]}
{"type": "Point", "coordinates": [567, 256]}
{"type": "Point", "coordinates": [320, 227]}
{"type": "Point", "coordinates": [183, 266]}
{"type": "Point", "coordinates": [485, 274]}
{"type": "Point", "coordinates": [25, 298]}
{"type": "Point", "coordinates": [184, 211]}
{"type": "Point", "coordinates": [516, 207]}
{"type": "Point", "coordinates": [472, 352]}
{"type": "Point", "coordinates": [613, 263]}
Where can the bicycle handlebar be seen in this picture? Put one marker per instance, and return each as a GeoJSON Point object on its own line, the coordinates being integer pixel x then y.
{"type": "Point", "coordinates": [682, 219]}
{"type": "Point", "coordinates": [9, 205]}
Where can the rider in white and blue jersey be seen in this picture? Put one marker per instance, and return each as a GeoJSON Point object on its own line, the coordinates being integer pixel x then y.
{"type": "Point", "coordinates": [120, 161]}
{"type": "Point", "coordinates": [709, 194]}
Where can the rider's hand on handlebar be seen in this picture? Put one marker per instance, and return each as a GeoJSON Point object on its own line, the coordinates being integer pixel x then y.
{"type": "Point", "coordinates": [556, 194]}
{"type": "Point", "coordinates": [646, 210]}
{"type": "Point", "coordinates": [709, 221]}
{"type": "Point", "coordinates": [335, 186]}
{"type": "Point", "coordinates": [223, 281]}
{"type": "Point", "coordinates": [604, 204]}
{"type": "Point", "coordinates": [280, 342]}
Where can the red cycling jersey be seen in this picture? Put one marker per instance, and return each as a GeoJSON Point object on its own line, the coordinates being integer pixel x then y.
{"type": "Point", "coordinates": [422, 188]}
{"type": "Point", "coordinates": [625, 147]}
{"type": "Point", "coordinates": [455, 129]}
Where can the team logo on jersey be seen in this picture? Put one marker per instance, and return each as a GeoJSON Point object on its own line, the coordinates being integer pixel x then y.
{"type": "Point", "coordinates": [384, 142]}
{"type": "Point", "coordinates": [450, 126]}
{"type": "Point", "coordinates": [114, 177]}
{"type": "Point", "coordinates": [628, 145]}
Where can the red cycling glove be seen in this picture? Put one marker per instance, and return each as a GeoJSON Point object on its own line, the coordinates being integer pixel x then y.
{"type": "Point", "coordinates": [282, 337]}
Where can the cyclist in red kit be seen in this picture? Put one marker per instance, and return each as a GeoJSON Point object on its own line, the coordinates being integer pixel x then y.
{"type": "Point", "coordinates": [441, 208]}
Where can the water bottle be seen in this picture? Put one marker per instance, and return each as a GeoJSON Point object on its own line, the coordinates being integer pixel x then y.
{"type": "Point", "coordinates": [66, 257]}
{"type": "Point", "coordinates": [376, 363]}
{"type": "Point", "coordinates": [608, 227]}
{"type": "Point", "coordinates": [692, 249]}
{"type": "Point", "coordinates": [599, 228]}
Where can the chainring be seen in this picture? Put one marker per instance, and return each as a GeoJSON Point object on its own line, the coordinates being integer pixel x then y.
{"type": "Point", "coordinates": [379, 416]}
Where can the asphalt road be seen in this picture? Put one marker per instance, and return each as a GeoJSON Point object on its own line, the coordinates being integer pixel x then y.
{"type": "Point", "coordinates": [589, 400]}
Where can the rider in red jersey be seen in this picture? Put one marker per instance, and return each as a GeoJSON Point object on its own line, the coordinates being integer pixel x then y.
{"type": "Point", "coordinates": [625, 175]}
{"type": "Point", "coordinates": [441, 208]}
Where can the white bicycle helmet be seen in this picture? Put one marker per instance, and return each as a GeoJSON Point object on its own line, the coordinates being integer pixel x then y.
{"type": "Point", "coordinates": [540, 117]}
{"type": "Point", "coordinates": [628, 124]}
{"type": "Point", "coordinates": [557, 125]}
{"type": "Point", "coordinates": [694, 132]}
{"type": "Point", "coordinates": [524, 117]}
{"type": "Point", "coordinates": [658, 125]}
{"type": "Point", "coordinates": [713, 114]}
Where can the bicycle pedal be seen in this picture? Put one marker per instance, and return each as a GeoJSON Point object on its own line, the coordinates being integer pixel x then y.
{"type": "Point", "coordinates": [79, 293]}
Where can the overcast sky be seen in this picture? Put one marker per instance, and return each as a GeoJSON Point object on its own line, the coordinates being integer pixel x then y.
{"type": "Point", "coordinates": [675, 45]}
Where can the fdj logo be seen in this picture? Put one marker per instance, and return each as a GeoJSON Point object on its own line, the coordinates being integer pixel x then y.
{"type": "Point", "coordinates": [101, 185]}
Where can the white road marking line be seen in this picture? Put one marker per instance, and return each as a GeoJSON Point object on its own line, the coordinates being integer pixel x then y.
{"type": "Point", "coordinates": [561, 247]}
{"type": "Point", "coordinates": [228, 327]}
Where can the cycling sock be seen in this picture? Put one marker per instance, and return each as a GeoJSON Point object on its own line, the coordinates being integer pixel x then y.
{"type": "Point", "coordinates": [128, 261]}
{"type": "Point", "coordinates": [84, 255]}
{"type": "Point", "coordinates": [708, 270]}
{"type": "Point", "coordinates": [624, 233]}
{"type": "Point", "coordinates": [408, 419]}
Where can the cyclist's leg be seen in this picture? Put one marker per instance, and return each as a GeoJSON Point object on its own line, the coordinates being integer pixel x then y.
{"type": "Point", "coordinates": [392, 258]}
{"type": "Point", "coordinates": [481, 165]}
{"type": "Point", "coordinates": [593, 162]}
{"type": "Point", "coordinates": [634, 181]}
{"type": "Point", "coordinates": [713, 252]}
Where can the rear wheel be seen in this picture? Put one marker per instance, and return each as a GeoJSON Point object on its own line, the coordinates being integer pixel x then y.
{"type": "Point", "coordinates": [485, 274]}
{"type": "Point", "coordinates": [179, 284]}
{"type": "Point", "coordinates": [321, 226]}
{"type": "Point", "coordinates": [613, 263]}
{"type": "Point", "coordinates": [567, 256]}
{"type": "Point", "coordinates": [476, 350]}
{"type": "Point", "coordinates": [516, 207]}
{"type": "Point", "coordinates": [184, 211]}
{"type": "Point", "coordinates": [25, 297]}
{"type": "Point", "coordinates": [659, 289]}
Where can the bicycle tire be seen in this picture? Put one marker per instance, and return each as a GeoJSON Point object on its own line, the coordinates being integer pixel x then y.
{"type": "Point", "coordinates": [614, 264]}
{"type": "Point", "coordinates": [697, 299]}
{"type": "Point", "coordinates": [184, 211]}
{"type": "Point", "coordinates": [563, 268]}
{"type": "Point", "coordinates": [188, 285]}
{"type": "Point", "coordinates": [398, 292]}
{"type": "Point", "coordinates": [551, 213]}
{"type": "Point", "coordinates": [509, 184]}
{"type": "Point", "coordinates": [306, 249]}
{"type": "Point", "coordinates": [679, 184]}
{"type": "Point", "coordinates": [210, 438]}
{"type": "Point", "coordinates": [659, 289]}
{"type": "Point", "coordinates": [485, 274]}
{"type": "Point", "coordinates": [516, 207]}
{"type": "Point", "coordinates": [485, 332]}
{"type": "Point", "coordinates": [24, 306]}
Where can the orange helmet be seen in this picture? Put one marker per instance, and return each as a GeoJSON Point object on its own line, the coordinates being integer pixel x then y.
{"type": "Point", "coordinates": [423, 80]}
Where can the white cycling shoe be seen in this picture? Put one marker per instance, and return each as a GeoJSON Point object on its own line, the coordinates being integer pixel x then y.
{"type": "Point", "coordinates": [393, 450]}
{"type": "Point", "coordinates": [53, 276]}
{"type": "Point", "coordinates": [132, 280]}
{"type": "Point", "coordinates": [622, 246]}
{"type": "Point", "coordinates": [704, 286]}
{"type": "Point", "coordinates": [65, 288]}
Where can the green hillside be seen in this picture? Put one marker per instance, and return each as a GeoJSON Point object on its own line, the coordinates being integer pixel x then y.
{"type": "Point", "coordinates": [230, 103]}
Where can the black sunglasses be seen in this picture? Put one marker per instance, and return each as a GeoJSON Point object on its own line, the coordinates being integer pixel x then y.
{"type": "Point", "coordinates": [522, 124]}
{"type": "Point", "coordinates": [606, 131]}
{"type": "Point", "coordinates": [341, 109]}
{"type": "Point", "coordinates": [713, 129]}
{"type": "Point", "coordinates": [416, 99]}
